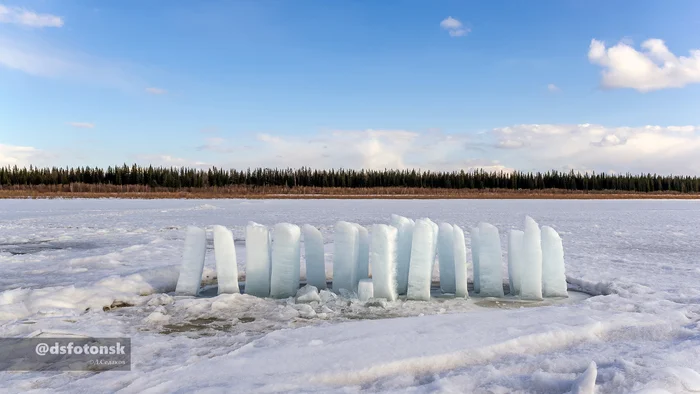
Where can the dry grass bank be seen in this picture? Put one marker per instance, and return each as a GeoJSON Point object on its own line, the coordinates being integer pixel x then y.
{"type": "Point", "coordinates": [275, 192]}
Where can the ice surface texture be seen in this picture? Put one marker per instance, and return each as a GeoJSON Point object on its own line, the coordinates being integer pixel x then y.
{"type": "Point", "coordinates": [315, 257]}
{"type": "Point", "coordinates": [422, 258]}
{"type": "Point", "coordinates": [475, 258]}
{"type": "Point", "coordinates": [286, 260]}
{"type": "Point", "coordinates": [403, 259]}
{"type": "Point", "coordinates": [192, 261]}
{"type": "Point", "coordinates": [363, 256]}
{"type": "Point", "coordinates": [347, 249]}
{"type": "Point", "coordinates": [490, 261]}
{"type": "Point", "coordinates": [365, 290]}
{"type": "Point", "coordinates": [446, 258]}
{"type": "Point", "coordinates": [531, 276]}
{"type": "Point", "coordinates": [515, 260]}
{"type": "Point", "coordinates": [460, 254]}
{"type": "Point", "coordinates": [226, 265]}
{"type": "Point", "coordinates": [258, 260]}
{"type": "Point", "coordinates": [383, 257]}
{"type": "Point", "coordinates": [553, 275]}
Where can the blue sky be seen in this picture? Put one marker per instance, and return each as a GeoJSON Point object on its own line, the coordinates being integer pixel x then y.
{"type": "Point", "coordinates": [405, 84]}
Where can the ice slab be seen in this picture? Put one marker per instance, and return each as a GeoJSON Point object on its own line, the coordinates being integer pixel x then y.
{"type": "Point", "coordinates": [306, 294]}
{"type": "Point", "coordinates": [258, 260]}
{"type": "Point", "coordinates": [365, 290]}
{"type": "Point", "coordinates": [422, 257]}
{"type": "Point", "coordinates": [490, 261]}
{"type": "Point", "coordinates": [553, 270]}
{"type": "Point", "coordinates": [192, 261]}
{"type": "Point", "coordinates": [436, 230]}
{"type": "Point", "coordinates": [403, 259]}
{"type": "Point", "coordinates": [363, 252]}
{"type": "Point", "coordinates": [286, 260]}
{"type": "Point", "coordinates": [315, 257]}
{"type": "Point", "coordinates": [226, 265]}
{"type": "Point", "coordinates": [383, 257]}
{"type": "Point", "coordinates": [475, 258]}
{"type": "Point", "coordinates": [531, 277]}
{"type": "Point", "coordinates": [460, 257]}
{"type": "Point", "coordinates": [346, 251]}
{"type": "Point", "coordinates": [515, 260]}
{"type": "Point", "coordinates": [446, 258]}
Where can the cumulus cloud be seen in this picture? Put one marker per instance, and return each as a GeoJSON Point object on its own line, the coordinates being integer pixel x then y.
{"type": "Point", "coordinates": [24, 17]}
{"type": "Point", "coordinates": [20, 156]}
{"type": "Point", "coordinates": [82, 125]}
{"type": "Point", "coordinates": [454, 27]}
{"type": "Point", "coordinates": [652, 68]}
{"type": "Point", "coordinates": [156, 91]}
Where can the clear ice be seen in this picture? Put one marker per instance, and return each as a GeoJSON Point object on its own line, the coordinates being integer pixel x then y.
{"type": "Point", "coordinates": [346, 251]}
{"type": "Point", "coordinates": [192, 261]}
{"type": "Point", "coordinates": [286, 260]}
{"type": "Point", "coordinates": [446, 258]}
{"type": "Point", "coordinates": [531, 274]}
{"type": "Point", "coordinates": [490, 261]}
{"type": "Point", "coordinates": [403, 259]}
{"type": "Point", "coordinates": [363, 257]}
{"type": "Point", "coordinates": [365, 289]}
{"type": "Point", "coordinates": [422, 258]}
{"type": "Point", "coordinates": [460, 255]}
{"type": "Point", "coordinates": [515, 260]}
{"type": "Point", "coordinates": [553, 270]}
{"type": "Point", "coordinates": [315, 257]}
{"type": "Point", "coordinates": [258, 266]}
{"type": "Point", "coordinates": [226, 265]}
{"type": "Point", "coordinates": [475, 258]}
{"type": "Point", "coordinates": [383, 257]}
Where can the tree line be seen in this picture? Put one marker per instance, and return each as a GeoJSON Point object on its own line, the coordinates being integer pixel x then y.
{"type": "Point", "coordinates": [176, 178]}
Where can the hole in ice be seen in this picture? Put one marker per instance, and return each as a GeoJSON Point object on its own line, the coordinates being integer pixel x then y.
{"type": "Point", "coordinates": [41, 246]}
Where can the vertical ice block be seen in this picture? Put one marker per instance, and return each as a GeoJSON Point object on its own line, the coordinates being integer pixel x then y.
{"type": "Point", "coordinates": [475, 258]}
{"type": "Point", "coordinates": [403, 259]}
{"type": "Point", "coordinates": [553, 271]}
{"type": "Point", "coordinates": [258, 265]}
{"type": "Point", "coordinates": [315, 257]}
{"type": "Point", "coordinates": [422, 257]}
{"type": "Point", "coordinates": [192, 261]}
{"type": "Point", "coordinates": [365, 290]}
{"type": "Point", "coordinates": [446, 258]}
{"type": "Point", "coordinates": [286, 260]}
{"type": "Point", "coordinates": [436, 230]}
{"type": "Point", "coordinates": [460, 254]}
{"type": "Point", "coordinates": [346, 251]}
{"type": "Point", "coordinates": [226, 265]}
{"type": "Point", "coordinates": [383, 257]}
{"type": "Point", "coordinates": [490, 261]}
{"type": "Point", "coordinates": [363, 256]}
{"type": "Point", "coordinates": [531, 274]}
{"type": "Point", "coordinates": [515, 260]}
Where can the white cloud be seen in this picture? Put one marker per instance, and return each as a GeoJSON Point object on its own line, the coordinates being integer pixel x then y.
{"type": "Point", "coordinates": [82, 125]}
{"type": "Point", "coordinates": [170, 161]}
{"type": "Point", "coordinates": [20, 156]}
{"type": "Point", "coordinates": [454, 27]}
{"type": "Point", "coordinates": [553, 88]}
{"type": "Point", "coordinates": [156, 91]}
{"type": "Point", "coordinates": [653, 68]}
{"type": "Point", "coordinates": [216, 144]}
{"type": "Point", "coordinates": [21, 16]}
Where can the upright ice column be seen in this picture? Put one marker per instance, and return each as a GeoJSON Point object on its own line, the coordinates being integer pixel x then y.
{"type": "Point", "coordinates": [553, 271]}
{"type": "Point", "coordinates": [346, 251]}
{"type": "Point", "coordinates": [515, 260]}
{"type": "Point", "coordinates": [403, 259]}
{"type": "Point", "coordinates": [422, 257]}
{"type": "Point", "coordinates": [192, 261]}
{"type": "Point", "coordinates": [460, 254]}
{"type": "Point", "coordinates": [531, 276]}
{"type": "Point", "coordinates": [383, 257]}
{"type": "Point", "coordinates": [258, 266]}
{"type": "Point", "coordinates": [365, 289]}
{"type": "Point", "coordinates": [490, 261]}
{"type": "Point", "coordinates": [446, 258]}
{"type": "Point", "coordinates": [363, 256]}
{"type": "Point", "coordinates": [436, 230]}
{"type": "Point", "coordinates": [286, 260]}
{"type": "Point", "coordinates": [475, 258]}
{"type": "Point", "coordinates": [315, 257]}
{"type": "Point", "coordinates": [226, 265]}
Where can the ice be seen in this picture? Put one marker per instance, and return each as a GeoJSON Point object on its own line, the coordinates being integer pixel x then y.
{"type": "Point", "coordinates": [226, 265]}
{"type": "Point", "coordinates": [258, 267]}
{"type": "Point", "coordinates": [286, 260]}
{"type": "Point", "coordinates": [460, 256]}
{"type": "Point", "coordinates": [307, 293]}
{"type": "Point", "coordinates": [192, 261]}
{"type": "Point", "coordinates": [475, 258]}
{"type": "Point", "coordinates": [315, 257]}
{"type": "Point", "coordinates": [531, 274]}
{"type": "Point", "coordinates": [363, 256]}
{"type": "Point", "coordinates": [490, 261]}
{"type": "Point", "coordinates": [585, 384]}
{"type": "Point", "coordinates": [383, 257]}
{"type": "Point", "coordinates": [436, 230]}
{"type": "Point", "coordinates": [446, 258]}
{"type": "Point", "coordinates": [365, 290]}
{"type": "Point", "coordinates": [515, 260]}
{"type": "Point", "coordinates": [422, 257]}
{"type": "Point", "coordinates": [553, 270]}
{"type": "Point", "coordinates": [403, 259]}
{"type": "Point", "coordinates": [346, 251]}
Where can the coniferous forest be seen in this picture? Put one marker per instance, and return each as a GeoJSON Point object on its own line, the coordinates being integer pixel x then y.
{"type": "Point", "coordinates": [179, 178]}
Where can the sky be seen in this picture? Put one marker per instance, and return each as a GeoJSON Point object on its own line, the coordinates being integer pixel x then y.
{"type": "Point", "coordinates": [583, 85]}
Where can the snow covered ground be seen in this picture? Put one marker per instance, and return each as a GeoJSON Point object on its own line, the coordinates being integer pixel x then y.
{"type": "Point", "coordinates": [64, 263]}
